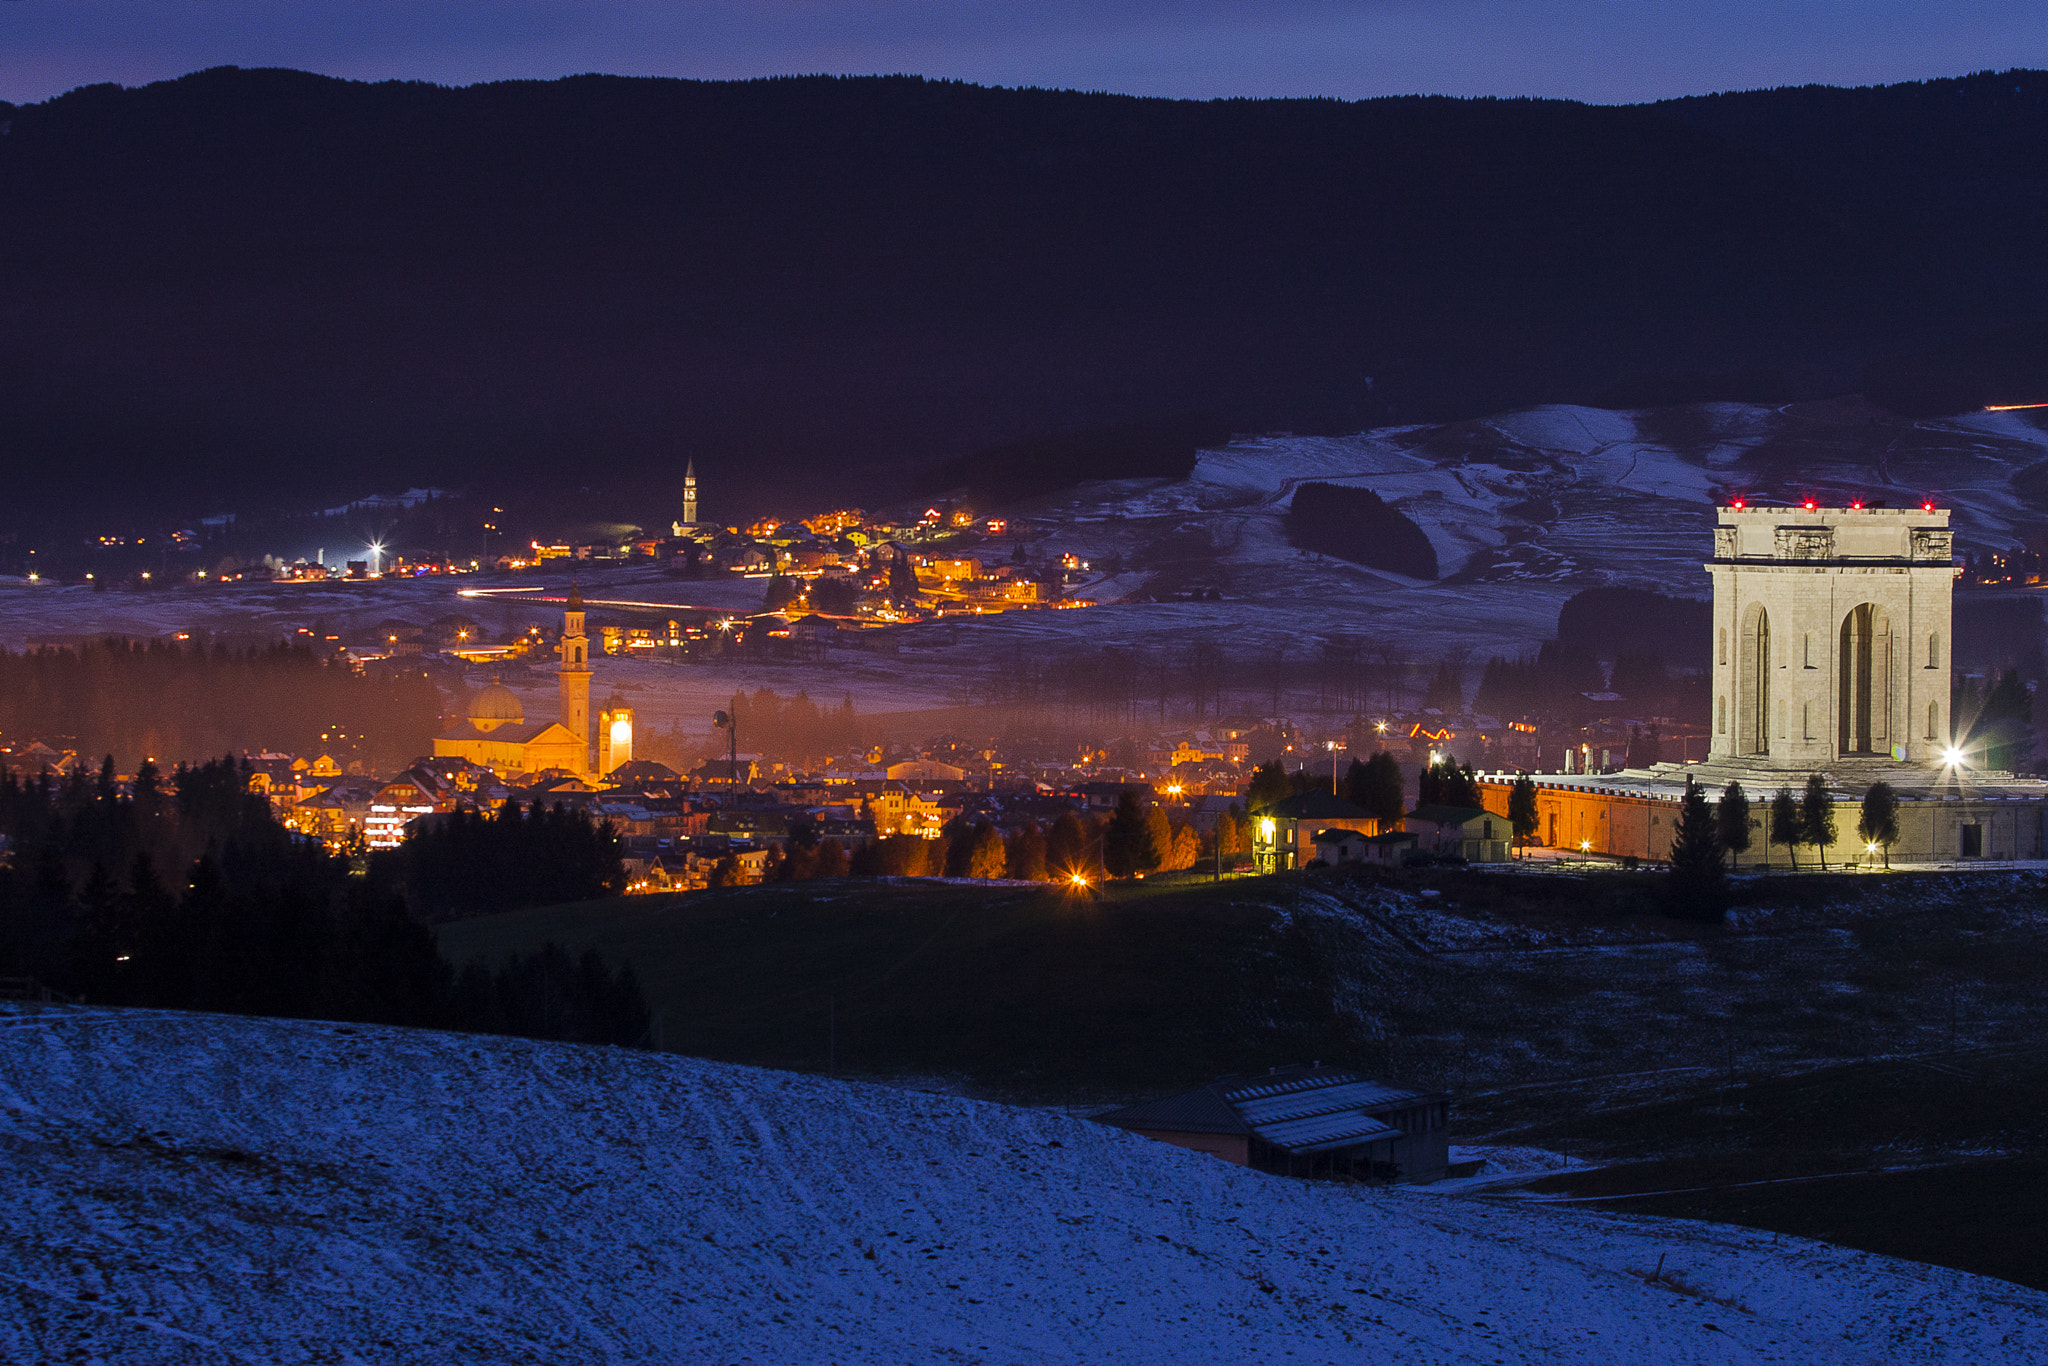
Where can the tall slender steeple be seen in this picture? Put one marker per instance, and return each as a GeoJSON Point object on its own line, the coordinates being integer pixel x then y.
{"type": "Point", "coordinates": [573, 673]}
{"type": "Point", "coordinates": [690, 494]}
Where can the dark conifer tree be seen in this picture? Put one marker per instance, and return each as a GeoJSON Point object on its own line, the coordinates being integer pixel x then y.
{"type": "Point", "coordinates": [1817, 816]}
{"type": "Point", "coordinates": [1788, 823]}
{"type": "Point", "coordinates": [1878, 822]}
{"type": "Point", "coordinates": [1731, 815]}
{"type": "Point", "coordinates": [1357, 780]}
{"type": "Point", "coordinates": [1696, 887]}
{"type": "Point", "coordinates": [1523, 817]}
{"type": "Point", "coordinates": [1386, 792]}
{"type": "Point", "coordinates": [1127, 845]}
{"type": "Point", "coordinates": [1025, 856]}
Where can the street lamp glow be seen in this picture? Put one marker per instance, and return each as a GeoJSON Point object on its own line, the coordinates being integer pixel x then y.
{"type": "Point", "coordinates": [1585, 846]}
{"type": "Point", "coordinates": [1952, 757]}
{"type": "Point", "coordinates": [1077, 879]}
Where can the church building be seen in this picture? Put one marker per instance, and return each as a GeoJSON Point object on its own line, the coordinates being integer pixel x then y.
{"type": "Point", "coordinates": [1831, 639]}
{"type": "Point", "coordinates": [497, 735]}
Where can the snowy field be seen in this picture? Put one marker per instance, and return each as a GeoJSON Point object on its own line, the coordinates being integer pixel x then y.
{"type": "Point", "coordinates": [190, 1189]}
{"type": "Point", "coordinates": [1524, 509]}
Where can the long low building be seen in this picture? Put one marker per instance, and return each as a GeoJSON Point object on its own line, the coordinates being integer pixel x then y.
{"type": "Point", "coordinates": [1948, 818]}
{"type": "Point", "coordinates": [1831, 650]}
{"type": "Point", "coordinates": [1304, 1121]}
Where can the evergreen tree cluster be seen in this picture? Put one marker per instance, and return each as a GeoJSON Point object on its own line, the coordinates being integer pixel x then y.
{"type": "Point", "coordinates": [188, 895]}
{"type": "Point", "coordinates": [1356, 524]}
{"type": "Point", "coordinates": [806, 857]}
{"type": "Point", "coordinates": [468, 863]}
{"type": "Point", "coordinates": [550, 995]}
{"type": "Point", "coordinates": [1444, 783]}
{"type": "Point", "coordinates": [179, 702]}
{"type": "Point", "coordinates": [1133, 839]}
{"type": "Point", "coordinates": [1377, 788]}
{"type": "Point", "coordinates": [198, 900]}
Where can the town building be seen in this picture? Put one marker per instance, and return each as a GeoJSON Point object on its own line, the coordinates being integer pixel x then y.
{"type": "Point", "coordinates": [1831, 656]}
{"type": "Point", "coordinates": [497, 735]}
{"type": "Point", "coordinates": [400, 802]}
{"type": "Point", "coordinates": [1284, 834]}
{"type": "Point", "coordinates": [1463, 832]}
{"type": "Point", "coordinates": [614, 736]}
{"type": "Point", "coordinates": [1304, 1121]}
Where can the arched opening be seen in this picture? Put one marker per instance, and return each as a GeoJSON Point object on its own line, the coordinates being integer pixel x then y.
{"type": "Point", "coordinates": [1753, 683]}
{"type": "Point", "coordinates": [1864, 682]}
{"type": "Point", "coordinates": [1934, 720]}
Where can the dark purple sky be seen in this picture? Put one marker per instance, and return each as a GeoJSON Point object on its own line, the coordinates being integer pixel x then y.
{"type": "Point", "coordinates": [1600, 50]}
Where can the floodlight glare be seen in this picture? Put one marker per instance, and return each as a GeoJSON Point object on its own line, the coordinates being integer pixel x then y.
{"type": "Point", "coordinates": [1952, 757]}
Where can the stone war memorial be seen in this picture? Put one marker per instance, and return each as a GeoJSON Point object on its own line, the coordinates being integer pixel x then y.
{"type": "Point", "coordinates": [1830, 656]}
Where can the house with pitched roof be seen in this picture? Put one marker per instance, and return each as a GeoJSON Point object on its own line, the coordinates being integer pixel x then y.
{"type": "Point", "coordinates": [1284, 834]}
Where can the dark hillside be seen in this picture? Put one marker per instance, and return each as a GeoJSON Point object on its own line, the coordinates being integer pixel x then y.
{"type": "Point", "coordinates": [267, 286]}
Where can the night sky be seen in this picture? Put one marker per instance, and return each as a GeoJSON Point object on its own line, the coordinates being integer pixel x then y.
{"type": "Point", "coordinates": [1596, 50]}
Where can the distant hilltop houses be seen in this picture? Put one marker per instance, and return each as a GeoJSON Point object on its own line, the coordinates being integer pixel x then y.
{"type": "Point", "coordinates": [842, 566]}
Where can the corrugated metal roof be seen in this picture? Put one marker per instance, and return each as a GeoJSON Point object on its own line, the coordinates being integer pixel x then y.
{"type": "Point", "coordinates": [1301, 1110]}
{"type": "Point", "coordinates": [1334, 1090]}
{"type": "Point", "coordinates": [1321, 1133]}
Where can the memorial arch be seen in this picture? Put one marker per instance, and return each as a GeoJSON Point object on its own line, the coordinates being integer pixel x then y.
{"type": "Point", "coordinates": [1829, 627]}
{"type": "Point", "coordinates": [1753, 682]}
{"type": "Point", "coordinates": [1864, 682]}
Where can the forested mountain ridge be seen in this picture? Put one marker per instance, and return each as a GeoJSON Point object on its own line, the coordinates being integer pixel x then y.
{"type": "Point", "coordinates": [268, 286]}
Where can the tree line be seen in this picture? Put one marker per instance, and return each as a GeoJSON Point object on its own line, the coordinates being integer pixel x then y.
{"type": "Point", "coordinates": [170, 701]}
{"type": "Point", "coordinates": [469, 863]}
{"type": "Point", "coordinates": [1133, 839]}
{"type": "Point", "coordinates": [1709, 835]}
{"type": "Point", "coordinates": [189, 895]}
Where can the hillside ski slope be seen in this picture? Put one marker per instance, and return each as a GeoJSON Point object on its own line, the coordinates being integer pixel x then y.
{"type": "Point", "coordinates": [197, 1189]}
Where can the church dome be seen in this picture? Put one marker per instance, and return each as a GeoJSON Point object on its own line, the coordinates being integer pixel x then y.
{"type": "Point", "coordinates": [495, 706]}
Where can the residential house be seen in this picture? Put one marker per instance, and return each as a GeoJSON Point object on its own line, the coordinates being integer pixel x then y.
{"type": "Point", "coordinates": [1284, 834]}
{"type": "Point", "coordinates": [1464, 832]}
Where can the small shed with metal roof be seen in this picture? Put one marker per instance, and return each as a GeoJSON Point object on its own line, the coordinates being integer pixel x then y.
{"type": "Point", "coordinates": [1304, 1121]}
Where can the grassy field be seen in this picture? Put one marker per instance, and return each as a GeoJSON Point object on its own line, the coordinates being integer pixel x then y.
{"type": "Point", "coordinates": [1939, 1157]}
{"type": "Point", "coordinates": [1888, 1035]}
{"type": "Point", "coordinates": [1014, 991]}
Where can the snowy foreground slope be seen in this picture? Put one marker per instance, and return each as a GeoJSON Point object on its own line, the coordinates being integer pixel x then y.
{"type": "Point", "coordinates": [195, 1189]}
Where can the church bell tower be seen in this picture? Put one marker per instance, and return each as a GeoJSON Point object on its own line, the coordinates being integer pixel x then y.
{"type": "Point", "coordinates": [689, 522]}
{"type": "Point", "coordinates": [573, 673]}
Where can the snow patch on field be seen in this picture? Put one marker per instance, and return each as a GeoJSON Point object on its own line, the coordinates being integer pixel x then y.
{"type": "Point", "coordinates": [201, 1189]}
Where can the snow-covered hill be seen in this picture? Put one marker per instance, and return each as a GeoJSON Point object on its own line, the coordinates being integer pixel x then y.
{"type": "Point", "coordinates": [193, 1189]}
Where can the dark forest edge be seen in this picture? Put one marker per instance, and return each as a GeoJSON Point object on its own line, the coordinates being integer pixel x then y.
{"type": "Point", "coordinates": [189, 895]}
